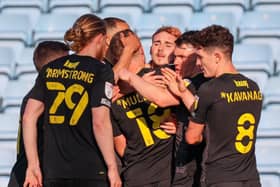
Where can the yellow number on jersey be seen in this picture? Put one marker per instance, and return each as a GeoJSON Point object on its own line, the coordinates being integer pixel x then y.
{"type": "Point", "coordinates": [243, 132]}
{"type": "Point", "coordinates": [66, 95]}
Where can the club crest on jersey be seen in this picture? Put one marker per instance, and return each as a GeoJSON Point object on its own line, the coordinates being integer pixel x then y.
{"type": "Point", "coordinates": [108, 90]}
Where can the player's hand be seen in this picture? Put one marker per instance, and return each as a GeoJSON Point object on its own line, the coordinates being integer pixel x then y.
{"type": "Point", "coordinates": [124, 75]}
{"type": "Point", "coordinates": [154, 79]}
{"type": "Point", "coordinates": [33, 177]}
{"type": "Point", "coordinates": [114, 177]}
{"type": "Point", "coordinates": [169, 125]}
{"type": "Point", "coordinates": [173, 81]}
{"type": "Point", "coordinates": [116, 93]}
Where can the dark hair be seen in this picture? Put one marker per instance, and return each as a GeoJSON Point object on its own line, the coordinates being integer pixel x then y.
{"type": "Point", "coordinates": [111, 22]}
{"type": "Point", "coordinates": [47, 51]}
{"type": "Point", "coordinates": [84, 29]}
{"type": "Point", "coordinates": [116, 47]}
{"type": "Point", "coordinates": [216, 36]}
{"type": "Point", "coordinates": [189, 37]}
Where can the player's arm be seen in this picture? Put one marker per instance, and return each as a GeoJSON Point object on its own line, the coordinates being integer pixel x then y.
{"type": "Point", "coordinates": [120, 144]}
{"type": "Point", "coordinates": [33, 110]}
{"type": "Point", "coordinates": [158, 95]}
{"type": "Point", "coordinates": [194, 133]}
{"type": "Point", "coordinates": [102, 129]}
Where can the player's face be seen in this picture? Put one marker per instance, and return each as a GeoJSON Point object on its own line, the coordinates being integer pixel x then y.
{"type": "Point", "coordinates": [182, 56]}
{"type": "Point", "coordinates": [206, 60]}
{"type": "Point", "coordinates": [162, 48]}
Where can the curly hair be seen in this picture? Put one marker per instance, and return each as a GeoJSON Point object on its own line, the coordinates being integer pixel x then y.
{"type": "Point", "coordinates": [216, 36]}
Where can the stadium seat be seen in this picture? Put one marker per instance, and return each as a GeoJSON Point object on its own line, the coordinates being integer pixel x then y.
{"type": "Point", "coordinates": [270, 180]}
{"type": "Point", "coordinates": [272, 91]}
{"type": "Point", "coordinates": [7, 61]}
{"type": "Point", "coordinates": [201, 20]}
{"type": "Point", "coordinates": [269, 125]}
{"type": "Point", "coordinates": [24, 62]}
{"type": "Point", "coordinates": [15, 27]}
{"type": "Point", "coordinates": [134, 8]}
{"type": "Point", "coordinates": [261, 27]}
{"type": "Point", "coordinates": [32, 8]}
{"type": "Point", "coordinates": [7, 156]}
{"type": "Point", "coordinates": [267, 154]}
{"type": "Point", "coordinates": [53, 26]}
{"type": "Point", "coordinates": [183, 7]}
{"type": "Point", "coordinates": [147, 24]}
{"type": "Point", "coordinates": [14, 92]}
{"type": "Point", "coordinates": [236, 7]}
{"type": "Point", "coordinates": [249, 57]}
{"type": "Point", "coordinates": [82, 6]}
{"type": "Point", "coordinates": [260, 5]}
{"type": "Point", "coordinates": [9, 126]}
{"type": "Point", "coordinates": [4, 181]}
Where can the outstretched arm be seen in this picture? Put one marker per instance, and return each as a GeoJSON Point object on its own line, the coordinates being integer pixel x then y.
{"type": "Point", "coordinates": [158, 95]}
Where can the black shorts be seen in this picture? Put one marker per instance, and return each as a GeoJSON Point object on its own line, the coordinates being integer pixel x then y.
{"type": "Point", "coordinates": [249, 183]}
{"type": "Point", "coordinates": [75, 183]}
{"type": "Point", "coordinates": [184, 175]}
{"type": "Point", "coordinates": [163, 183]}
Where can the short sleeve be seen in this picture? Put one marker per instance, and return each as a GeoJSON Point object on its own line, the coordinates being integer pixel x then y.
{"type": "Point", "coordinates": [204, 102]}
{"type": "Point", "coordinates": [102, 90]}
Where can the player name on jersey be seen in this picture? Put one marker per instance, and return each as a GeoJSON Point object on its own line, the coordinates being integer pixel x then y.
{"type": "Point", "coordinates": [240, 96]}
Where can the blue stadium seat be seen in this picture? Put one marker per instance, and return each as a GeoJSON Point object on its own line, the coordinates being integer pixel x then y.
{"type": "Point", "coordinates": [236, 7]}
{"type": "Point", "coordinates": [261, 27]}
{"type": "Point", "coordinates": [269, 125]}
{"type": "Point", "coordinates": [270, 180]}
{"type": "Point", "coordinates": [7, 61]}
{"type": "Point", "coordinates": [272, 91]}
{"type": "Point", "coordinates": [147, 24]}
{"type": "Point", "coordinates": [53, 26]}
{"type": "Point", "coordinates": [15, 27]}
{"type": "Point", "coordinates": [267, 154]}
{"type": "Point", "coordinates": [14, 92]}
{"type": "Point", "coordinates": [4, 181]}
{"type": "Point", "coordinates": [9, 126]}
{"type": "Point", "coordinates": [82, 6]}
{"type": "Point", "coordinates": [183, 7]}
{"type": "Point", "coordinates": [24, 62]}
{"type": "Point", "coordinates": [260, 5]}
{"type": "Point", "coordinates": [7, 156]}
{"type": "Point", "coordinates": [32, 8]}
{"type": "Point", "coordinates": [249, 57]}
{"type": "Point", "coordinates": [201, 20]}
{"type": "Point", "coordinates": [134, 8]}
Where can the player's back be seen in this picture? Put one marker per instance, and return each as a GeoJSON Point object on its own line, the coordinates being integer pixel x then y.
{"type": "Point", "coordinates": [233, 114]}
{"type": "Point", "coordinates": [71, 90]}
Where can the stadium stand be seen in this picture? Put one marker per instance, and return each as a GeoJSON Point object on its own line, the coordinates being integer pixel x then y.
{"type": "Point", "coordinates": [254, 24]}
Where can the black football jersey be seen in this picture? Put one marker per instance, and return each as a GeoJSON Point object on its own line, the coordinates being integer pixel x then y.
{"type": "Point", "coordinates": [230, 107]}
{"type": "Point", "coordinates": [148, 152]}
{"type": "Point", "coordinates": [69, 87]}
